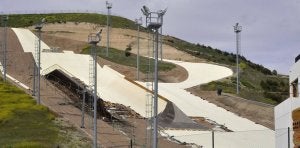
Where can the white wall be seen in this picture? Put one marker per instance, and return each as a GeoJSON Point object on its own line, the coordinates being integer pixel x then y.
{"type": "Point", "coordinates": [283, 120]}
{"type": "Point", "coordinates": [283, 112]}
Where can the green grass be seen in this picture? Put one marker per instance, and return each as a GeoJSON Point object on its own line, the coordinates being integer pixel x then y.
{"type": "Point", "coordinates": [251, 88]}
{"type": "Point", "coordinates": [22, 122]}
{"type": "Point", "coordinates": [118, 56]}
{"type": "Point", "coordinates": [26, 20]}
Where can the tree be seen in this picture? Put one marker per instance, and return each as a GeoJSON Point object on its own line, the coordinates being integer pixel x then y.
{"type": "Point", "coordinates": [127, 51]}
{"type": "Point", "coordinates": [274, 72]}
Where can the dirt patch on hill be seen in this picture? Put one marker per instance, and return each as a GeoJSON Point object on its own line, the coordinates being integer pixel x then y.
{"type": "Point", "coordinates": [255, 111]}
{"type": "Point", "coordinates": [177, 74]}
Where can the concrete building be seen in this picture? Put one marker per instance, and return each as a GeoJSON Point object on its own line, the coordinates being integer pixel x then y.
{"type": "Point", "coordinates": [287, 113]}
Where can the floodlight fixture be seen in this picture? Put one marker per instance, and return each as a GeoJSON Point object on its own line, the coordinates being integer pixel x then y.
{"type": "Point", "coordinates": [95, 38]}
{"type": "Point", "coordinates": [237, 28]}
{"type": "Point", "coordinates": [40, 24]}
{"type": "Point", "coordinates": [139, 21]}
{"type": "Point", "coordinates": [162, 12]}
{"type": "Point", "coordinates": [108, 5]}
{"type": "Point", "coordinates": [146, 10]}
{"type": "Point", "coordinates": [5, 18]}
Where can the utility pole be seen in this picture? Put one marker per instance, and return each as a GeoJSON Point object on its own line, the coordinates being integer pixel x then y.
{"type": "Point", "coordinates": [108, 23]}
{"type": "Point", "coordinates": [237, 30]}
{"type": "Point", "coordinates": [39, 27]}
{"type": "Point", "coordinates": [4, 46]}
{"type": "Point", "coordinates": [138, 22]}
{"type": "Point", "coordinates": [83, 107]}
{"type": "Point", "coordinates": [154, 22]}
{"type": "Point", "coordinates": [94, 39]}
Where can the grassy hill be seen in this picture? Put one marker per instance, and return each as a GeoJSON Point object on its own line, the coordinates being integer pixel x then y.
{"type": "Point", "coordinates": [25, 124]}
{"type": "Point", "coordinates": [31, 19]}
{"type": "Point", "coordinates": [257, 82]}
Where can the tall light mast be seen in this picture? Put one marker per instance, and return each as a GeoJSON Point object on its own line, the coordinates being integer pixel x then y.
{"type": "Point", "coordinates": [237, 30]}
{"type": "Point", "coordinates": [154, 22]}
{"type": "Point", "coordinates": [4, 46]}
{"type": "Point", "coordinates": [108, 23]}
{"type": "Point", "coordinates": [138, 22]}
{"type": "Point", "coordinates": [94, 39]}
{"type": "Point", "coordinates": [39, 27]}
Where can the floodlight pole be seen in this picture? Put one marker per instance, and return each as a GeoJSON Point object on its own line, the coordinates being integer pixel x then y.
{"type": "Point", "coordinates": [82, 107]}
{"type": "Point", "coordinates": [154, 22]}
{"type": "Point", "coordinates": [108, 6]}
{"type": "Point", "coordinates": [237, 30]}
{"type": "Point", "coordinates": [4, 19]}
{"type": "Point", "coordinates": [161, 43]}
{"type": "Point", "coordinates": [138, 22]}
{"type": "Point", "coordinates": [155, 134]}
{"type": "Point", "coordinates": [39, 27]}
{"type": "Point", "coordinates": [94, 39]}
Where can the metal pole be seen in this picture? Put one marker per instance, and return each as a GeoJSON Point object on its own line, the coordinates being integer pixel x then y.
{"type": "Point", "coordinates": [39, 66]}
{"type": "Point", "coordinates": [138, 54]}
{"type": "Point", "coordinates": [237, 30]}
{"type": "Point", "coordinates": [289, 137]}
{"type": "Point", "coordinates": [82, 108]}
{"type": "Point", "coordinates": [108, 27]}
{"type": "Point", "coordinates": [34, 76]}
{"type": "Point", "coordinates": [155, 139]}
{"type": "Point", "coordinates": [237, 63]}
{"type": "Point", "coordinates": [95, 95]}
{"type": "Point", "coordinates": [213, 139]}
{"type": "Point", "coordinates": [161, 43]}
{"type": "Point", "coordinates": [5, 19]}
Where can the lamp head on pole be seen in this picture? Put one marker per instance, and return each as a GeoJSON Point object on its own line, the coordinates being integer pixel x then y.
{"type": "Point", "coordinates": [40, 24]}
{"type": "Point", "coordinates": [5, 18]}
{"type": "Point", "coordinates": [237, 28]}
{"type": "Point", "coordinates": [108, 5]}
{"type": "Point", "coordinates": [146, 11]}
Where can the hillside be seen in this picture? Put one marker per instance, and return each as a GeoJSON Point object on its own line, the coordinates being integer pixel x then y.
{"type": "Point", "coordinates": [257, 82]}
{"type": "Point", "coordinates": [25, 124]}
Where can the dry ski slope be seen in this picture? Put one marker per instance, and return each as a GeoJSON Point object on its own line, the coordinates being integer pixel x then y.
{"type": "Point", "coordinates": [114, 88]}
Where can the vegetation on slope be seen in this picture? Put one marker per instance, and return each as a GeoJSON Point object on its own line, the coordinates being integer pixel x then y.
{"type": "Point", "coordinates": [31, 19]}
{"type": "Point", "coordinates": [25, 124]}
{"type": "Point", "coordinates": [256, 82]}
{"type": "Point", "coordinates": [124, 57]}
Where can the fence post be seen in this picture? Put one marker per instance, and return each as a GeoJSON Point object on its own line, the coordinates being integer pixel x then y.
{"type": "Point", "coordinates": [213, 139]}
{"type": "Point", "coordinates": [288, 137]}
{"type": "Point", "coordinates": [130, 143]}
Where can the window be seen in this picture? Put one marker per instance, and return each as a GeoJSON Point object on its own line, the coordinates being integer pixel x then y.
{"type": "Point", "coordinates": [295, 88]}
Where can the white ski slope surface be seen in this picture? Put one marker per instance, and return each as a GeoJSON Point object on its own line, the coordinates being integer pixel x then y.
{"type": "Point", "coordinates": [111, 86]}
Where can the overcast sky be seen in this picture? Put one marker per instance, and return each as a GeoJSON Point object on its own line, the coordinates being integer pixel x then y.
{"type": "Point", "coordinates": [270, 34]}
